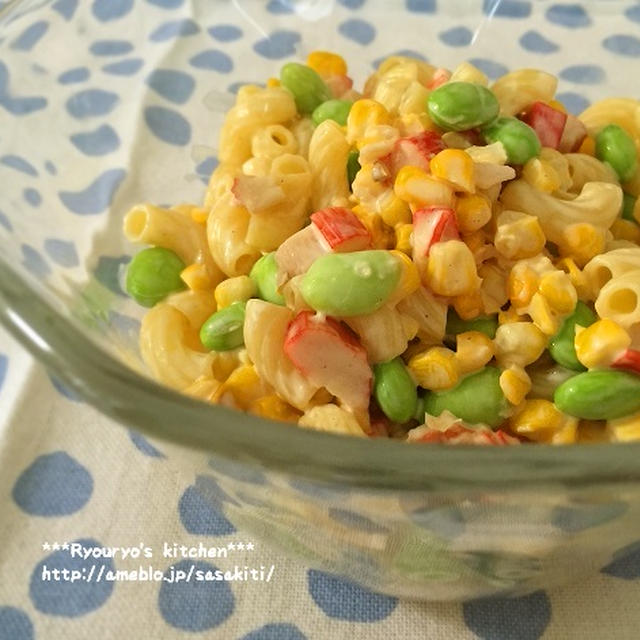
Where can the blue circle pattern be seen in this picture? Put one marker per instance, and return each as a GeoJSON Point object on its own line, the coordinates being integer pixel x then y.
{"type": "Point", "coordinates": [53, 485]}
{"type": "Point", "coordinates": [66, 598]}
{"type": "Point", "coordinates": [15, 624]}
{"type": "Point", "coordinates": [144, 446]}
{"type": "Point", "coordinates": [359, 31]}
{"type": "Point", "coordinates": [200, 517]}
{"type": "Point", "coordinates": [4, 366]}
{"type": "Point", "coordinates": [279, 44]}
{"type": "Point", "coordinates": [195, 605]}
{"type": "Point", "coordinates": [275, 632]}
{"type": "Point", "coordinates": [524, 618]}
{"type": "Point", "coordinates": [225, 32]}
{"type": "Point", "coordinates": [344, 600]}
{"type": "Point", "coordinates": [571, 16]}
{"type": "Point", "coordinates": [625, 563]}
{"type": "Point", "coordinates": [19, 164]}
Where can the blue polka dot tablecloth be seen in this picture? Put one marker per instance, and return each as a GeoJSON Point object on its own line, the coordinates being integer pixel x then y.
{"type": "Point", "coordinates": [82, 497]}
{"type": "Point", "coordinates": [84, 502]}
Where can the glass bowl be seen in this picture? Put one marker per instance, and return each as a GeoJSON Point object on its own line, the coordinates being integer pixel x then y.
{"type": "Point", "coordinates": [106, 104]}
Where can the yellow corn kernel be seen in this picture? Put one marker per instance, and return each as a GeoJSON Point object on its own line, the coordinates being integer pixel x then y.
{"type": "Point", "coordinates": [521, 286]}
{"type": "Point", "coordinates": [199, 215]}
{"type": "Point", "coordinates": [592, 431]}
{"type": "Point", "coordinates": [244, 385]}
{"type": "Point", "coordinates": [518, 235]}
{"type": "Point", "coordinates": [363, 114]}
{"type": "Point", "coordinates": [196, 277]}
{"type": "Point", "coordinates": [326, 63]}
{"type": "Point", "coordinates": [601, 343]}
{"type": "Point", "coordinates": [582, 241]}
{"type": "Point", "coordinates": [510, 315]}
{"type": "Point", "coordinates": [557, 105]}
{"type": "Point", "coordinates": [435, 369]}
{"type": "Point", "coordinates": [273, 407]}
{"type": "Point", "coordinates": [519, 343]}
{"type": "Point", "coordinates": [409, 278]}
{"type": "Point", "coordinates": [515, 384]}
{"type": "Point", "coordinates": [238, 289]}
{"type": "Point", "coordinates": [273, 82]}
{"type": "Point", "coordinates": [556, 287]}
{"type": "Point", "coordinates": [541, 175]}
{"type": "Point", "coordinates": [403, 238]}
{"type": "Point", "coordinates": [473, 211]}
{"type": "Point", "coordinates": [419, 189]}
{"type": "Point", "coordinates": [469, 306]}
{"type": "Point", "coordinates": [382, 237]}
{"type": "Point", "coordinates": [540, 421]}
{"type": "Point", "coordinates": [576, 276]}
{"type": "Point", "coordinates": [588, 146]}
{"type": "Point", "coordinates": [625, 429]}
{"type": "Point", "coordinates": [473, 350]}
{"type": "Point", "coordinates": [394, 211]}
{"type": "Point", "coordinates": [451, 269]}
{"type": "Point", "coordinates": [626, 230]}
{"type": "Point", "coordinates": [454, 166]}
{"type": "Point", "coordinates": [542, 315]}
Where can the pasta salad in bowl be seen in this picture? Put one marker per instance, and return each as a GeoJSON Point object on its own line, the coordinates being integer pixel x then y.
{"type": "Point", "coordinates": [298, 279]}
{"type": "Point", "coordinates": [433, 258]}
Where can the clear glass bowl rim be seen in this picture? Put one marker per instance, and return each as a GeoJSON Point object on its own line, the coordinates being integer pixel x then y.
{"type": "Point", "coordinates": [320, 457]}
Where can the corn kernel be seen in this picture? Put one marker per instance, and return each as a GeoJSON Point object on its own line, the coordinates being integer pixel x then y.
{"type": "Point", "coordinates": [556, 287]}
{"type": "Point", "coordinates": [435, 369]}
{"type": "Point", "coordinates": [454, 166]}
{"type": "Point", "coordinates": [469, 306]}
{"type": "Point", "coordinates": [199, 215]}
{"type": "Point", "coordinates": [557, 105]}
{"type": "Point", "coordinates": [273, 82]}
{"type": "Point", "coordinates": [403, 238]}
{"type": "Point", "coordinates": [626, 230]}
{"type": "Point", "coordinates": [466, 72]}
{"type": "Point", "coordinates": [451, 269]}
{"type": "Point", "coordinates": [582, 241]}
{"type": "Point", "coordinates": [542, 315]}
{"type": "Point", "coordinates": [409, 278]}
{"type": "Point", "coordinates": [382, 237]}
{"type": "Point", "coordinates": [541, 175]}
{"type": "Point", "coordinates": [473, 350]}
{"type": "Point", "coordinates": [588, 146]}
{"type": "Point", "coordinates": [363, 114]}
{"type": "Point", "coordinates": [576, 276]}
{"type": "Point", "coordinates": [519, 343]}
{"type": "Point", "coordinates": [515, 384]}
{"type": "Point", "coordinates": [394, 211]}
{"type": "Point", "coordinates": [237, 289]}
{"type": "Point", "coordinates": [196, 277]}
{"type": "Point", "coordinates": [625, 429]}
{"type": "Point", "coordinates": [518, 235]}
{"type": "Point", "coordinates": [473, 211]}
{"type": "Point", "coordinates": [326, 63]}
{"type": "Point", "coordinates": [540, 421]}
{"type": "Point", "coordinates": [508, 315]}
{"type": "Point", "coordinates": [244, 385]}
{"type": "Point", "coordinates": [522, 284]}
{"type": "Point", "coordinates": [601, 343]}
{"type": "Point", "coordinates": [419, 189]}
{"type": "Point", "coordinates": [273, 407]}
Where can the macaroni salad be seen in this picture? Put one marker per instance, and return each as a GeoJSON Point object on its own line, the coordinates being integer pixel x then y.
{"type": "Point", "coordinates": [434, 259]}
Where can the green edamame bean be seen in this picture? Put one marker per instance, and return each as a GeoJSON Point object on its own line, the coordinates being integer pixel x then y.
{"type": "Point", "coordinates": [520, 141]}
{"type": "Point", "coordinates": [485, 324]}
{"type": "Point", "coordinates": [307, 87]}
{"type": "Point", "coordinates": [395, 391]}
{"type": "Point", "coordinates": [351, 284]}
{"type": "Point", "coordinates": [478, 398]}
{"type": "Point", "coordinates": [353, 166]}
{"type": "Point", "coordinates": [628, 207]}
{"type": "Point", "coordinates": [153, 274]}
{"type": "Point", "coordinates": [337, 110]}
{"type": "Point", "coordinates": [418, 414]}
{"type": "Point", "coordinates": [561, 346]}
{"type": "Point", "coordinates": [223, 330]}
{"type": "Point", "coordinates": [264, 273]}
{"type": "Point", "coordinates": [457, 106]}
{"type": "Point", "coordinates": [615, 147]}
{"type": "Point", "coordinates": [599, 395]}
